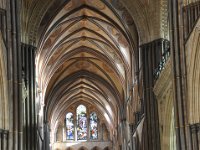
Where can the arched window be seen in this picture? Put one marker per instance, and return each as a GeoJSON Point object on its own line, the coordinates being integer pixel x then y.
{"type": "Point", "coordinates": [93, 126]}
{"type": "Point", "coordinates": [70, 126]}
{"type": "Point", "coordinates": [81, 122]}
{"type": "Point", "coordinates": [78, 129]}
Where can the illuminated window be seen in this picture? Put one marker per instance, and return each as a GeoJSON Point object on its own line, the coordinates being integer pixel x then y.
{"type": "Point", "coordinates": [70, 126]}
{"type": "Point", "coordinates": [93, 126]}
{"type": "Point", "coordinates": [83, 125]}
{"type": "Point", "coordinates": [81, 122]}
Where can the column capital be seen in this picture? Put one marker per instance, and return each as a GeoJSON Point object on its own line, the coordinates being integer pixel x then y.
{"type": "Point", "coordinates": [28, 46]}
{"type": "Point", "coordinates": [195, 127]}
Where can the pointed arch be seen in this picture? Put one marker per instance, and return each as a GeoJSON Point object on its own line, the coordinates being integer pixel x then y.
{"type": "Point", "coordinates": [81, 113]}
{"type": "Point", "coordinates": [193, 78]}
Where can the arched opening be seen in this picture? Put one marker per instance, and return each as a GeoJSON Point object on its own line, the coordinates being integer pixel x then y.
{"type": "Point", "coordinates": [82, 124]}
{"type": "Point", "coordinates": [84, 66]}
{"type": "Point", "coordinates": [193, 70]}
{"type": "Point", "coordinates": [83, 74]}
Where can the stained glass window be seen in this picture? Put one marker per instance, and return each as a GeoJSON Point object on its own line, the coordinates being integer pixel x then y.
{"type": "Point", "coordinates": [70, 126]}
{"type": "Point", "coordinates": [93, 126]}
{"type": "Point", "coordinates": [81, 122]}
{"type": "Point", "coordinates": [83, 126]}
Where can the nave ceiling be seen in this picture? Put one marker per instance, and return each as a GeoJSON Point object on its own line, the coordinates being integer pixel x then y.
{"type": "Point", "coordinates": [84, 54]}
{"type": "Point", "coordinates": [109, 73]}
{"type": "Point", "coordinates": [86, 50]}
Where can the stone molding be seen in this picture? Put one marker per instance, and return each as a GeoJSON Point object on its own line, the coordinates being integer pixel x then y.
{"type": "Point", "coordinates": [164, 82]}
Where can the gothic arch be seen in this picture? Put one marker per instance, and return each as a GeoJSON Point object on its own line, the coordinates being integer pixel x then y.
{"type": "Point", "coordinates": [193, 78]}
{"type": "Point", "coordinates": [86, 54]}
{"type": "Point", "coordinates": [140, 11]}
{"type": "Point", "coordinates": [164, 94]}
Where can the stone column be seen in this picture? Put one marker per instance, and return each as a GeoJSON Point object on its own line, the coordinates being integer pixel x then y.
{"type": "Point", "coordinates": [195, 131]}
{"type": "Point", "coordinates": [124, 134]}
{"type": "Point", "coordinates": [46, 136]}
{"type": "Point", "coordinates": [4, 140]}
{"type": "Point", "coordinates": [29, 111]}
{"type": "Point", "coordinates": [75, 129]}
{"type": "Point", "coordinates": [199, 135]}
{"type": "Point", "coordinates": [131, 127]}
{"type": "Point", "coordinates": [154, 55]}
{"type": "Point", "coordinates": [14, 75]}
{"type": "Point", "coordinates": [88, 127]}
{"type": "Point", "coordinates": [64, 132]}
{"type": "Point", "coordinates": [178, 58]}
{"type": "Point", "coordinates": [0, 138]}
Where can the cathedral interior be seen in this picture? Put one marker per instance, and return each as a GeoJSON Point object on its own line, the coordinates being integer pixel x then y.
{"type": "Point", "coordinates": [99, 75]}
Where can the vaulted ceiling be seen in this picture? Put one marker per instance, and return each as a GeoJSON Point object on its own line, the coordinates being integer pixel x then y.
{"type": "Point", "coordinates": [87, 50]}
{"type": "Point", "coordinates": [150, 17]}
{"type": "Point", "coordinates": [85, 54]}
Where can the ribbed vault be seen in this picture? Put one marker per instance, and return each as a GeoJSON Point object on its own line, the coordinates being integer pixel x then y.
{"type": "Point", "coordinates": [85, 56]}
{"type": "Point", "coordinates": [142, 12]}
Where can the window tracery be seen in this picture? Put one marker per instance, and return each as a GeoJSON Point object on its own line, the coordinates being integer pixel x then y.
{"type": "Point", "coordinates": [81, 122]}
{"type": "Point", "coordinates": [81, 125]}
